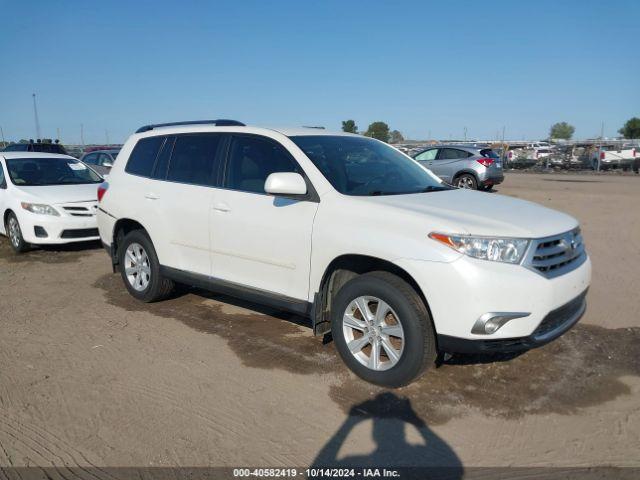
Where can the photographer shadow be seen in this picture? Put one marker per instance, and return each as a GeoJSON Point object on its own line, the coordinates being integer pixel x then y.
{"type": "Point", "coordinates": [390, 415]}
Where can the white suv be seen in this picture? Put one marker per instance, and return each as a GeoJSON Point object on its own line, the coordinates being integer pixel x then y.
{"type": "Point", "coordinates": [346, 230]}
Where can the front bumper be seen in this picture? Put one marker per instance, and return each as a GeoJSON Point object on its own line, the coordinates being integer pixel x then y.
{"type": "Point", "coordinates": [458, 293]}
{"type": "Point", "coordinates": [555, 324]}
{"type": "Point", "coordinates": [59, 230]}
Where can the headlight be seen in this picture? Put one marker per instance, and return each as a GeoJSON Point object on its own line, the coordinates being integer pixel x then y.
{"type": "Point", "coordinates": [40, 209]}
{"type": "Point", "coordinates": [496, 249]}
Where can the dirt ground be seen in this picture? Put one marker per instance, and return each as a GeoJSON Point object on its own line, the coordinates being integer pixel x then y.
{"type": "Point", "coordinates": [90, 377]}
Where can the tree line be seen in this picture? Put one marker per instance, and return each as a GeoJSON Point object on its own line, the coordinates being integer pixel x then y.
{"type": "Point", "coordinates": [561, 130]}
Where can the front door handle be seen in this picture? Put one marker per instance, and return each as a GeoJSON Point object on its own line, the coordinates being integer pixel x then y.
{"type": "Point", "coordinates": [221, 207]}
{"type": "Point", "coordinates": [151, 196]}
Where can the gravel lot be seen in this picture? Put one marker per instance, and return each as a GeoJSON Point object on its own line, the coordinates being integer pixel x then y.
{"type": "Point", "coordinates": [88, 376]}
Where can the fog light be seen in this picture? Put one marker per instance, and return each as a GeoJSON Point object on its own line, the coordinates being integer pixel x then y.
{"type": "Point", "coordinates": [40, 232]}
{"type": "Point", "coordinates": [491, 322]}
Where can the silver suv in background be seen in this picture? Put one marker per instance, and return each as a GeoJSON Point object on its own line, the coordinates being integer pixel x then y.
{"type": "Point", "coordinates": [101, 160]}
{"type": "Point", "coordinates": [462, 166]}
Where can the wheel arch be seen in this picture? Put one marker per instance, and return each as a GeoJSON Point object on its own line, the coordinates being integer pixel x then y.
{"type": "Point", "coordinates": [121, 228]}
{"type": "Point", "coordinates": [342, 269]}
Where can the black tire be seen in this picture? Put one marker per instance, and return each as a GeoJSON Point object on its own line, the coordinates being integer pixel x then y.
{"type": "Point", "coordinates": [158, 287]}
{"type": "Point", "coordinates": [419, 350]}
{"type": "Point", "coordinates": [15, 239]}
{"type": "Point", "coordinates": [466, 180]}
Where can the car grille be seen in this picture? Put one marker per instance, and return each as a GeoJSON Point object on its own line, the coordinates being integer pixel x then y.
{"type": "Point", "coordinates": [83, 209]}
{"type": "Point", "coordinates": [557, 255]}
{"type": "Point", "coordinates": [80, 233]}
{"type": "Point", "coordinates": [556, 318]}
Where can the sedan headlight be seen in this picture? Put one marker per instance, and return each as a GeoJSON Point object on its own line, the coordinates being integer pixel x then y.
{"type": "Point", "coordinates": [40, 209]}
{"type": "Point", "coordinates": [495, 249]}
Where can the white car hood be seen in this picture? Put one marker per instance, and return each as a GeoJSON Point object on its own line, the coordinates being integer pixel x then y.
{"type": "Point", "coordinates": [479, 213]}
{"type": "Point", "coordinates": [57, 194]}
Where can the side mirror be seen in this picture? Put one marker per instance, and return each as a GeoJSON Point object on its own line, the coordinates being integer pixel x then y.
{"type": "Point", "coordinates": [285, 183]}
{"type": "Point", "coordinates": [107, 164]}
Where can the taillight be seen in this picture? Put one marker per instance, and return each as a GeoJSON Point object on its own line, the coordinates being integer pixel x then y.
{"type": "Point", "coordinates": [487, 162]}
{"type": "Point", "coordinates": [510, 155]}
{"type": "Point", "coordinates": [601, 155]}
{"type": "Point", "coordinates": [634, 153]}
{"type": "Point", "coordinates": [102, 189]}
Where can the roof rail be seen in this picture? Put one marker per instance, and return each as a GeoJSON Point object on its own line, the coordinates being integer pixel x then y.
{"type": "Point", "coordinates": [221, 122]}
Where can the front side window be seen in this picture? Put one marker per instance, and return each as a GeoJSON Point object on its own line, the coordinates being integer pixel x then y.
{"type": "Point", "coordinates": [29, 172]}
{"type": "Point", "coordinates": [143, 156]}
{"type": "Point", "coordinates": [363, 166]}
{"type": "Point", "coordinates": [427, 154]}
{"type": "Point", "coordinates": [253, 159]}
{"type": "Point", "coordinates": [1, 176]}
{"type": "Point", "coordinates": [195, 159]}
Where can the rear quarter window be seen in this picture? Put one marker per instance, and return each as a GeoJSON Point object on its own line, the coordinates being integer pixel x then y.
{"type": "Point", "coordinates": [143, 156]}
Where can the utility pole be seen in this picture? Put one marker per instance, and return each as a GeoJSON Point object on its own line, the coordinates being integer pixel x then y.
{"type": "Point", "coordinates": [82, 135]}
{"type": "Point", "coordinates": [2, 132]}
{"type": "Point", "coordinates": [465, 134]}
{"type": "Point", "coordinates": [600, 146]}
{"type": "Point", "coordinates": [35, 113]}
{"type": "Point", "coordinates": [106, 134]}
{"type": "Point", "coordinates": [57, 133]}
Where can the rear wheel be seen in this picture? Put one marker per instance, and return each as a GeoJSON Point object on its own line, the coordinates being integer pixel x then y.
{"type": "Point", "coordinates": [382, 329]}
{"type": "Point", "coordinates": [14, 233]}
{"type": "Point", "coordinates": [140, 268]}
{"type": "Point", "coordinates": [467, 181]}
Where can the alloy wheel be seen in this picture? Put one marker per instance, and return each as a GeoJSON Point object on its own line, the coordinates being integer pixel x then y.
{"type": "Point", "coordinates": [14, 231]}
{"type": "Point", "coordinates": [465, 182]}
{"type": "Point", "coordinates": [137, 267]}
{"type": "Point", "coordinates": [373, 333]}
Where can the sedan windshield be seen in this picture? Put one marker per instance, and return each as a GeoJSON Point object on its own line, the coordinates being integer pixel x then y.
{"type": "Point", "coordinates": [29, 172]}
{"type": "Point", "coordinates": [362, 166]}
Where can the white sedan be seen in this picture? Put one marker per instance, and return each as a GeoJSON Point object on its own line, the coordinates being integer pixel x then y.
{"type": "Point", "coordinates": [47, 199]}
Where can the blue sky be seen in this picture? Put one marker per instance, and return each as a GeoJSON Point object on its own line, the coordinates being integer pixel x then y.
{"type": "Point", "coordinates": [420, 66]}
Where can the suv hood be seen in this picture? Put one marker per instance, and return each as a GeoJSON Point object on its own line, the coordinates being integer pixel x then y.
{"type": "Point", "coordinates": [56, 194]}
{"type": "Point", "coordinates": [479, 213]}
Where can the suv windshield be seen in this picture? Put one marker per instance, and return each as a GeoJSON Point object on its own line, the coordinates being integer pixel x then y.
{"type": "Point", "coordinates": [29, 172]}
{"type": "Point", "coordinates": [362, 166]}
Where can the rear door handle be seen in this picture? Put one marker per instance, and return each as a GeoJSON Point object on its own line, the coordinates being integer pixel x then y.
{"type": "Point", "coordinates": [151, 196]}
{"type": "Point", "coordinates": [221, 207]}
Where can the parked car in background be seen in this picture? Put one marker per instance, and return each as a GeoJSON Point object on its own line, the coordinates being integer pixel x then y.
{"type": "Point", "coordinates": [44, 146]}
{"type": "Point", "coordinates": [462, 166]}
{"type": "Point", "coordinates": [348, 231]}
{"type": "Point", "coordinates": [610, 157]}
{"type": "Point", "coordinates": [101, 160]}
{"type": "Point", "coordinates": [46, 199]}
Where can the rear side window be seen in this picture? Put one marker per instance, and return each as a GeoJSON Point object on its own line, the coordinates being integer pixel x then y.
{"type": "Point", "coordinates": [91, 159]}
{"type": "Point", "coordinates": [195, 159]}
{"type": "Point", "coordinates": [253, 159]}
{"type": "Point", "coordinates": [144, 156]}
{"type": "Point", "coordinates": [452, 154]}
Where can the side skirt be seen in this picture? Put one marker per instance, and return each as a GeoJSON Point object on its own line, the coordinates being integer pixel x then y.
{"type": "Point", "coordinates": [263, 297]}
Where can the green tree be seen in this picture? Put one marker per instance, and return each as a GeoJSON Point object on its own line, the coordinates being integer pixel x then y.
{"type": "Point", "coordinates": [378, 130]}
{"type": "Point", "coordinates": [395, 137]}
{"type": "Point", "coordinates": [631, 129]}
{"type": "Point", "coordinates": [561, 130]}
{"type": "Point", "coordinates": [349, 126]}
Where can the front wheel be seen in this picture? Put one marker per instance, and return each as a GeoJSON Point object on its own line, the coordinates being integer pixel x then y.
{"type": "Point", "coordinates": [14, 233]}
{"type": "Point", "coordinates": [382, 329]}
{"type": "Point", "coordinates": [140, 268]}
{"type": "Point", "coordinates": [466, 181]}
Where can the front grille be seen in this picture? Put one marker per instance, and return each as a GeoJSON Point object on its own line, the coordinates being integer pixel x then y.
{"type": "Point", "coordinates": [87, 209]}
{"type": "Point", "coordinates": [80, 233]}
{"type": "Point", "coordinates": [557, 255]}
{"type": "Point", "coordinates": [556, 318]}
